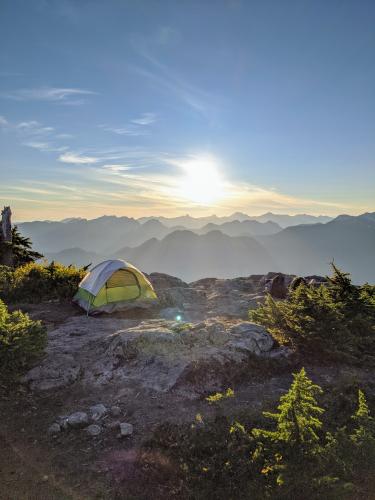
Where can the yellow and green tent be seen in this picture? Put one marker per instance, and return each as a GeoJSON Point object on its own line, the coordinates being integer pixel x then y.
{"type": "Point", "coordinates": [113, 285]}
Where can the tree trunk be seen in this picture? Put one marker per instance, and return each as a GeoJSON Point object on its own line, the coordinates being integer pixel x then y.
{"type": "Point", "coordinates": [6, 256]}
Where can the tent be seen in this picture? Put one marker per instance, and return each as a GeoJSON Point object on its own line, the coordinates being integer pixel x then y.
{"type": "Point", "coordinates": [113, 285]}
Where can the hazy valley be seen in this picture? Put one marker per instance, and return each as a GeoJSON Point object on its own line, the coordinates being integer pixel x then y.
{"type": "Point", "coordinates": [194, 248]}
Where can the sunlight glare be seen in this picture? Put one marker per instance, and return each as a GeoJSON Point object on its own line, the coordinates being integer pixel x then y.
{"type": "Point", "coordinates": [202, 182]}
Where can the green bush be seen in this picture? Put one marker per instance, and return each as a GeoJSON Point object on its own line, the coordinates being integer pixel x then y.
{"type": "Point", "coordinates": [289, 455]}
{"type": "Point", "coordinates": [213, 458]}
{"type": "Point", "coordinates": [21, 340]}
{"type": "Point", "coordinates": [34, 283]}
{"type": "Point", "coordinates": [337, 320]}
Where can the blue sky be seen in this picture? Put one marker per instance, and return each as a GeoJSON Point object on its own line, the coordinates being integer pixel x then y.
{"type": "Point", "coordinates": [164, 107]}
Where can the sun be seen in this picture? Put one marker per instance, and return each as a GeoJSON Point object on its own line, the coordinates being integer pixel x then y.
{"type": "Point", "coordinates": [202, 182]}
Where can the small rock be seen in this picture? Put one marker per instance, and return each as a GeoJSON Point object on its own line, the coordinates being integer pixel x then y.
{"type": "Point", "coordinates": [55, 428]}
{"type": "Point", "coordinates": [115, 411]}
{"type": "Point", "coordinates": [77, 419]}
{"type": "Point", "coordinates": [281, 353]}
{"type": "Point", "coordinates": [296, 282]}
{"type": "Point", "coordinates": [97, 411]}
{"type": "Point", "coordinates": [113, 425]}
{"type": "Point", "coordinates": [93, 430]}
{"type": "Point", "coordinates": [278, 288]}
{"type": "Point", "coordinates": [217, 334]}
{"type": "Point", "coordinates": [125, 429]}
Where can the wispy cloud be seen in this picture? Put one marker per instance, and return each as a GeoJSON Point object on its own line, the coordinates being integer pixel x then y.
{"type": "Point", "coordinates": [30, 190]}
{"type": "Point", "coordinates": [35, 135]}
{"type": "Point", "coordinates": [118, 188]}
{"type": "Point", "coordinates": [145, 119]}
{"type": "Point", "coordinates": [116, 159]}
{"type": "Point", "coordinates": [78, 159]}
{"type": "Point", "coordinates": [166, 77]}
{"type": "Point", "coordinates": [129, 130]}
{"type": "Point", "coordinates": [45, 146]}
{"type": "Point", "coordinates": [28, 125]}
{"type": "Point", "coordinates": [168, 190]}
{"type": "Point", "coordinates": [63, 95]}
{"type": "Point", "coordinates": [34, 127]}
{"type": "Point", "coordinates": [167, 80]}
{"type": "Point", "coordinates": [136, 127]}
{"type": "Point", "coordinates": [64, 136]}
{"type": "Point", "coordinates": [117, 167]}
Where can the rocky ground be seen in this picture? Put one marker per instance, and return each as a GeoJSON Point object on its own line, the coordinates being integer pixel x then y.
{"type": "Point", "coordinates": [105, 383]}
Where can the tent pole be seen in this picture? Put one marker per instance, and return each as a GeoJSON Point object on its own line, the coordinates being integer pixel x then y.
{"type": "Point", "coordinates": [88, 309]}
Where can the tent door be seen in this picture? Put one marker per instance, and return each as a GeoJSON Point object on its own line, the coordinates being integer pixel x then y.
{"type": "Point", "coordinates": [121, 286]}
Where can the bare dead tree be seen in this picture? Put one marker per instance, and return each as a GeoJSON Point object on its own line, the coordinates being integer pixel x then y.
{"type": "Point", "coordinates": [6, 255]}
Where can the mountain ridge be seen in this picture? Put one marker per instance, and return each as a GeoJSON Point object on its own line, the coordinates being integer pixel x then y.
{"type": "Point", "coordinates": [304, 249]}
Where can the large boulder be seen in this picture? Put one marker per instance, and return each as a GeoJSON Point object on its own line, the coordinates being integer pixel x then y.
{"type": "Point", "coordinates": [153, 354]}
{"type": "Point", "coordinates": [278, 288]}
{"type": "Point", "coordinates": [231, 297]}
{"type": "Point", "coordinates": [160, 281]}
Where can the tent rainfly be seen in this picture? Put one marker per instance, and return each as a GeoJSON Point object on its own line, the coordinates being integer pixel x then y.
{"type": "Point", "coordinates": [113, 285]}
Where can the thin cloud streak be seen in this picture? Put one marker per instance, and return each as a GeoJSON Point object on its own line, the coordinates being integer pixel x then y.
{"type": "Point", "coordinates": [145, 119]}
{"type": "Point", "coordinates": [34, 135]}
{"type": "Point", "coordinates": [126, 188]}
{"type": "Point", "coordinates": [63, 95]}
{"type": "Point", "coordinates": [34, 127]}
{"type": "Point", "coordinates": [77, 159]}
{"type": "Point", "coordinates": [136, 127]}
{"type": "Point", "coordinates": [167, 79]}
{"type": "Point", "coordinates": [45, 146]}
{"type": "Point", "coordinates": [131, 157]}
{"type": "Point", "coordinates": [102, 190]}
{"type": "Point", "coordinates": [193, 97]}
{"type": "Point", "coordinates": [128, 130]}
{"type": "Point", "coordinates": [151, 181]}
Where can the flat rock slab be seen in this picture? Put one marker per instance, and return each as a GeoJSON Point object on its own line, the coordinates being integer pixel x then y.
{"type": "Point", "coordinates": [154, 354]}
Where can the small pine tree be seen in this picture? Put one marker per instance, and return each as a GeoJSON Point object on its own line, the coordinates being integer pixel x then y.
{"type": "Point", "coordinates": [297, 420]}
{"type": "Point", "coordinates": [349, 455]}
{"type": "Point", "coordinates": [363, 436]}
{"type": "Point", "coordinates": [21, 248]}
{"type": "Point", "coordinates": [295, 443]}
{"type": "Point", "coordinates": [341, 284]}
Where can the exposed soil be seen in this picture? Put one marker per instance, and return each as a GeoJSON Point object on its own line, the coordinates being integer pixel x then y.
{"type": "Point", "coordinates": [73, 465]}
{"type": "Point", "coordinates": [35, 465]}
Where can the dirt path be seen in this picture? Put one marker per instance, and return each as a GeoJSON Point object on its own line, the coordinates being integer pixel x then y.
{"type": "Point", "coordinates": [22, 479]}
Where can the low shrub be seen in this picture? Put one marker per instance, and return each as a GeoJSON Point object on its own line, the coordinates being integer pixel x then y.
{"type": "Point", "coordinates": [21, 340]}
{"type": "Point", "coordinates": [34, 282]}
{"type": "Point", "coordinates": [337, 320]}
{"type": "Point", "coordinates": [290, 453]}
{"type": "Point", "coordinates": [213, 458]}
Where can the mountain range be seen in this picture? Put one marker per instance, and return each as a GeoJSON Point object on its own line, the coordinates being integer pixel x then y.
{"type": "Point", "coordinates": [223, 249]}
{"type": "Point", "coordinates": [283, 220]}
{"type": "Point", "coordinates": [106, 233]}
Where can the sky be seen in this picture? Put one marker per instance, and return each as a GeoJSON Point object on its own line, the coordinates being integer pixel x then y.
{"type": "Point", "coordinates": [203, 106]}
